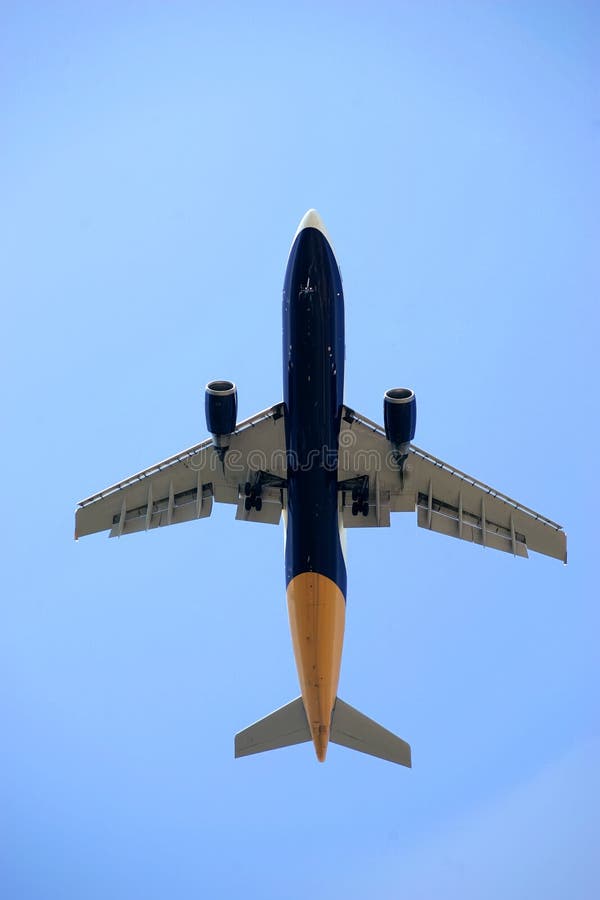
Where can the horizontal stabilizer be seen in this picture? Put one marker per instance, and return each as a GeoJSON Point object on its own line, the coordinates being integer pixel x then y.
{"type": "Point", "coordinates": [282, 728]}
{"type": "Point", "coordinates": [351, 728]}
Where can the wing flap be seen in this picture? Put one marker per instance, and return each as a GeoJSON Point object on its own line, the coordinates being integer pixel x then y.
{"type": "Point", "coordinates": [492, 536]}
{"type": "Point", "coordinates": [171, 510]}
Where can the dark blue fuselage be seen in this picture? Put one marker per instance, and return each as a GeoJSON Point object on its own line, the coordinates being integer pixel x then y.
{"type": "Point", "coordinates": [313, 380]}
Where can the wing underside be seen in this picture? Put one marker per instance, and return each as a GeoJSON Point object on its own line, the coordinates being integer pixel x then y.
{"type": "Point", "coordinates": [184, 487]}
{"type": "Point", "coordinates": [446, 500]}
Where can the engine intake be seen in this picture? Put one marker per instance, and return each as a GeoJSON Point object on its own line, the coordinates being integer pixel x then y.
{"type": "Point", "coordinates": [221, 412]}
{"type": "Point", "coordinates": [400, 417]}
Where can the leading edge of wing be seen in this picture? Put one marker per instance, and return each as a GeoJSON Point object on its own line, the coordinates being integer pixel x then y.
{"type": "Point", "coordinates": [352, 416]}
{"type": "Point", "coordinates": [271, 412]}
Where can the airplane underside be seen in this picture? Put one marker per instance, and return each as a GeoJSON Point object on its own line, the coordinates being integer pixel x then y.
{"type": "Point", "coordinates": [322, 467]}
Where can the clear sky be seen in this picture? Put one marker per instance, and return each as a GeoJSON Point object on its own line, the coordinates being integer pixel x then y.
{"type": "Point", "coordinates": [156, 158]}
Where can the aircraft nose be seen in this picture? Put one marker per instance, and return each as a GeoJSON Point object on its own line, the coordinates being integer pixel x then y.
{"type": "Point", "coordinates": [312, 219]}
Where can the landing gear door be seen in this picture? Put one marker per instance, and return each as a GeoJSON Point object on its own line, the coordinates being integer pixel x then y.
{"type": "Point", "coordinates": [273, 500]}
{"type": "Point", "coordinates": [363, 503]}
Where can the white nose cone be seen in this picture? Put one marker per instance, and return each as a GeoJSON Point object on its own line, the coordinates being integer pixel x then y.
{"type": "Point", "coordinates": [312, 219]}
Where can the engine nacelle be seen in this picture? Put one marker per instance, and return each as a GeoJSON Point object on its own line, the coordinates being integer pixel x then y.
{"type": "Point", "coordinates": [221, 412]}
{"type": "Point", "coordinates": [400, 417]}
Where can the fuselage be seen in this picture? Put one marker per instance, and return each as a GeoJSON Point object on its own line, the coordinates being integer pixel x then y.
{"type": "Point", "coordinates": [313, 380]}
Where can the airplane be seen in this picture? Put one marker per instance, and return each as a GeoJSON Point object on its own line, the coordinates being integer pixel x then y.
{"type": "Point", "coordinates": [322, 467]}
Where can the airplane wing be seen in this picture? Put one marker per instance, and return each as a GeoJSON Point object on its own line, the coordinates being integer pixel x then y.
{"type": "Point", "coordinates": [184, 486]}
{"type": "Point", "coordinates": [446, 500]}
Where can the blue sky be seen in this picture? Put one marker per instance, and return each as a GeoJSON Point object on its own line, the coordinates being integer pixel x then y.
{"type": "Point", "coordinates": [156, 160]}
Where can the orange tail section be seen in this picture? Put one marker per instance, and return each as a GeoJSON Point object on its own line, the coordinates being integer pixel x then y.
{"type": "Point", "coordinates": [317, 612]}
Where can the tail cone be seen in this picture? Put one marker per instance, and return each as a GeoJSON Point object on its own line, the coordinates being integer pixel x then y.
{"type": "Point", "coordinates": [321, 741]}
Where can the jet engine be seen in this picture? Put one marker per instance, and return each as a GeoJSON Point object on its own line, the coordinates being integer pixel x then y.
{"type": "Point", "coordinates": [221, 413]}
{"type": "Point", "coordinates": [400, 417]}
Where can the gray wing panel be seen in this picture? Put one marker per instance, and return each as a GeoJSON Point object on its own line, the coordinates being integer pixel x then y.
{"type": "Point", "coordinates": [447, 500]}
{"type": "Point", "coordinates": [183, 486]}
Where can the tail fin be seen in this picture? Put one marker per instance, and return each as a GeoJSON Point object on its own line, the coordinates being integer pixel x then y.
{"type": "Point", "coordinates": [282, 728]}
{"type": "Point", "coordinates": [351, 728]}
